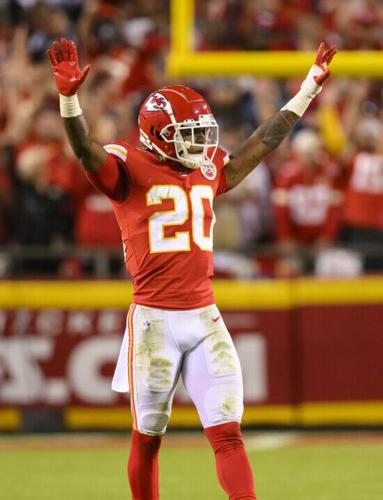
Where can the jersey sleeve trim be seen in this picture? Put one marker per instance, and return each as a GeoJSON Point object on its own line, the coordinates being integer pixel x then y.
{"type": "Point", "coordinates": [117, 150]}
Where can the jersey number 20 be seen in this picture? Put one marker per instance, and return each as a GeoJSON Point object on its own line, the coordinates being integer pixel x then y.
{"type": "Point", "coordinates": [180, 242]}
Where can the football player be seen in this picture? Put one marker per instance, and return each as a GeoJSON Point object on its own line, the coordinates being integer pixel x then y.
{"type": "Point", "coordinates": [162, 194]}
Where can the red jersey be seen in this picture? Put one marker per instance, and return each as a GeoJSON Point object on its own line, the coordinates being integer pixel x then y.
{"type": "Point", "coordinates": [166, 220]}
{"type": "Point", "coordinates": [307, 203]}
{"type": "Point", "coordinates": [364, 195]}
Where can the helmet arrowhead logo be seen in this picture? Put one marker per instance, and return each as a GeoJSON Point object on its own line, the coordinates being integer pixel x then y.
{"type": "Point", "coordinates": [157, 102]}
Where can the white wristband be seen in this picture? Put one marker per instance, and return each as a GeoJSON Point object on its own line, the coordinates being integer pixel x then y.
{"type": "Point", "coordinates": [309, 89]}
{"type": "Point", "coordinates": [69, 106]}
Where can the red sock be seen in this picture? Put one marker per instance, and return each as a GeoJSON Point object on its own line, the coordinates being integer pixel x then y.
{"type": "Point", "coordinates": [233, 467]}
{"type": "Point", "coordinates": [143, 466]}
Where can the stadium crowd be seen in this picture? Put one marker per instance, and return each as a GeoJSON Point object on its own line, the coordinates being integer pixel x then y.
{"type": "Point", "coordinates": [321, 189]}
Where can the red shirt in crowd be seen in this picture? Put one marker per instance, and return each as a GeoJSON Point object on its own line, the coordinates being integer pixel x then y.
{"type": "Point", "coordinates": [307, 202]}
{"type": "Point", "coordinates": [364, 194]}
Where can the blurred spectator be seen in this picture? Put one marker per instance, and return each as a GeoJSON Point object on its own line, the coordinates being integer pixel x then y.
{"type": "Point", "coordinates": [363, 211]}
{"type": "Point", "coordinates": [358, 129]}
{"type": "Point", "coordinates": [40, 210]}
{"type": "Point", "coordinates": [47, 23]}
{"type": "Point", "coordinates": [244, 215]}
{"type": "Point", "coordinates": [307, 198]}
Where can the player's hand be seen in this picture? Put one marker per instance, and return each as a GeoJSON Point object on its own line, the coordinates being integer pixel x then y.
{"type": "Point", "coordinates": [66, 70]}
{"type": "Point", "coordinates": [322, 60]}
{"type": "Point", "coordinates": [312, 84]}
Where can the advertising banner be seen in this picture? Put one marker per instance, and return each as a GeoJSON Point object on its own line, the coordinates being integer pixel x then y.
{"type": "Point", "coordinates": [310, 352]}
{"type": "Point", "coordinates": [60, 357]}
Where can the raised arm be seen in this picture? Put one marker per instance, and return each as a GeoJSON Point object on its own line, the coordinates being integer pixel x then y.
{"type": "Point", "coordinates": [69, 77]}
{"type": "Point", "coordinates": [272, 132]}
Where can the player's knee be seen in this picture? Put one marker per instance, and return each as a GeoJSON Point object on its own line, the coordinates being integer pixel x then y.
{"type": "Point", "coordinates": [223, 404]}
{"type": "Point", "coordinates": [230, 408]}
{"type": "Point", "coordinates": [154, 423]}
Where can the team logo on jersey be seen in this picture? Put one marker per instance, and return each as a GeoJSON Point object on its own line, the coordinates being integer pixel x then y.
{"type": "Point", "coordinates": [209, 170]}
{"type": "Point", "coordinates": [157, 102]}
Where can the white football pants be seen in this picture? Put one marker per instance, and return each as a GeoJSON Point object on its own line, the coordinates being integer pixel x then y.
{"type": "Point", "coordinates": [161, 345]}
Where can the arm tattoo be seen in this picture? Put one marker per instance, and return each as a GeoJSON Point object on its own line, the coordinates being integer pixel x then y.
{"type": "Point", "coordinates": [274, 130]}
{"type": "Point", "coordinates": [266, 138]}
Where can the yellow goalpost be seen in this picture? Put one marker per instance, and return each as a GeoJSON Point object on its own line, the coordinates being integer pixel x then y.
{"type": "Point", "coordinates": [183, 61]}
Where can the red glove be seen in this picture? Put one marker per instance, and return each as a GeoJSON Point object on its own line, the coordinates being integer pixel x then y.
{"type": "Point", "coordinates": [312, 84]}
{"type": "Point", "coordinates": [322, 60]}
{"type": "Point", "coordinates": [67, 73]}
